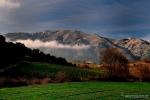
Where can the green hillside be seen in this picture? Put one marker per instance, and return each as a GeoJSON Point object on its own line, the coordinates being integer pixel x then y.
{"type": "Point", "coordinates": [26, 73]}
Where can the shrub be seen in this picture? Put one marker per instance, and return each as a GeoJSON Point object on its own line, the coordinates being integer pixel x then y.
{"type": "Point", "coordinates": [146, 60]}
{"type": "Point", "coordinates": [141, 72]}
{"type": "Point", "coordinates": [61, 76]}
{"type": "Point", "coordinates": [117, 72]}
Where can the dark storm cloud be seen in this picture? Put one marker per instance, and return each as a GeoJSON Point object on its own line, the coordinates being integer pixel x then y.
{"type": "Point", "coordinates": [114, 18]}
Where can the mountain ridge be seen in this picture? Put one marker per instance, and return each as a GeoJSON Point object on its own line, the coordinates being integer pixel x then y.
{"type": "Point", "coordinates": [132, 48]}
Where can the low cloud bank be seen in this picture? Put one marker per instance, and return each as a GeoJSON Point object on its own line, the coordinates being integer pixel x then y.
{"type": "Point", "coordinates": [51, 44]}
{"type": "Point", "coordinates": [75, 53]}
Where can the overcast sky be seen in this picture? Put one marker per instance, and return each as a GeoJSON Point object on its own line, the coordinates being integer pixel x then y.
{"type": "Point", "coordinates": [111, 18]}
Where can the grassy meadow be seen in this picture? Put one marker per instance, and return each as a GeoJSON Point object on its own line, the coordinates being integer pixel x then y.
{"type": "Point", "coordinates": [79, 91]}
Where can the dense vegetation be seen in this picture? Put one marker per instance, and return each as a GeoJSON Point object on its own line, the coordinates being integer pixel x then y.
{"type": "Point", "coordinates": [79, 91]}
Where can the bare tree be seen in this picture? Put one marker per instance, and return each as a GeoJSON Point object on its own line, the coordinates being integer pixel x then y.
{"type": "Point", "coordinates": [114, 61]}
{"type": "Point", "coordinates": [112, 56]}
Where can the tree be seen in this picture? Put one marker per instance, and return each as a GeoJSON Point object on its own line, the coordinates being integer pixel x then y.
{"type": "Point", "coordinates": [115, 62]}
{"type": "Point", "coordinates": [113, 56]}
{"type": "Point", "coordinates": [2, 39]}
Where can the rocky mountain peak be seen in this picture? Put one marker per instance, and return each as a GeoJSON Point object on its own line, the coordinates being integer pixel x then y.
{"type": "Point", "coordinates": [138, 47]}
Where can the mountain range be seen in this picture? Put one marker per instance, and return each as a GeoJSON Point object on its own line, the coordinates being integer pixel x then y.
{"type": "Point", "coordinates": [77, 46]}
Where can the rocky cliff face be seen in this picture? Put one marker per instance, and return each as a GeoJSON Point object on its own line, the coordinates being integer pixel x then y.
{"type": "Point", "coordinates": [68, 43]}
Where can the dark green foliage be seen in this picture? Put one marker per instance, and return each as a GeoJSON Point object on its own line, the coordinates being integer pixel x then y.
{"type": "Point", "coordinates": [2, 39]}
{"type": "Point", "coordinates": [12, 53]}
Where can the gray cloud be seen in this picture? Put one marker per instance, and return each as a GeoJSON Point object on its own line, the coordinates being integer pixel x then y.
{"type": "Point", "coordinates": [29, 16]}
{"type": "Point", "coordinates": [100, 16]}
{"type": "Point", "coordinates": [9, 4]}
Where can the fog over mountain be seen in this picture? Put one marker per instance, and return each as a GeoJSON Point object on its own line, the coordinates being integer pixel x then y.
{"type": "Point", "coordinates": [51, 44]}
{"type": "Point", "coordinates": [71, 52]}
{"type": "Point", "coordinates": [79, 46]}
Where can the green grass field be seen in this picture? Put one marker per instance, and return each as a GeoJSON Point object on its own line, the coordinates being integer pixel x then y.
{"type": "Point", "coordinates": [79, 91]}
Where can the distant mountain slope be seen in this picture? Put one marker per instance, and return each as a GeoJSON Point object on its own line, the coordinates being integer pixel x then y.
{"type": "Point", "coordinates": [66, 43]}
{"type": "Point", "coordinates": [62, 36]}
{"type": "Point", "coordinates": [138, 47]}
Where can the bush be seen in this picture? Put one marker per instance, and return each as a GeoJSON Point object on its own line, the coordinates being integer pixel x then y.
{"type": "Point", "coordinates": [61, 76]}
{"type": "Point", "coordinates": [141, 72]}
{"type": "Point", "coordinates": [117, 73]}
{"type": "Point", "coordinates": [146, 60]}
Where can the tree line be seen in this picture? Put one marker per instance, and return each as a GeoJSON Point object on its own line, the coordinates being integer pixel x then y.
{"type": "Point", "coordinates": [11, 53]}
